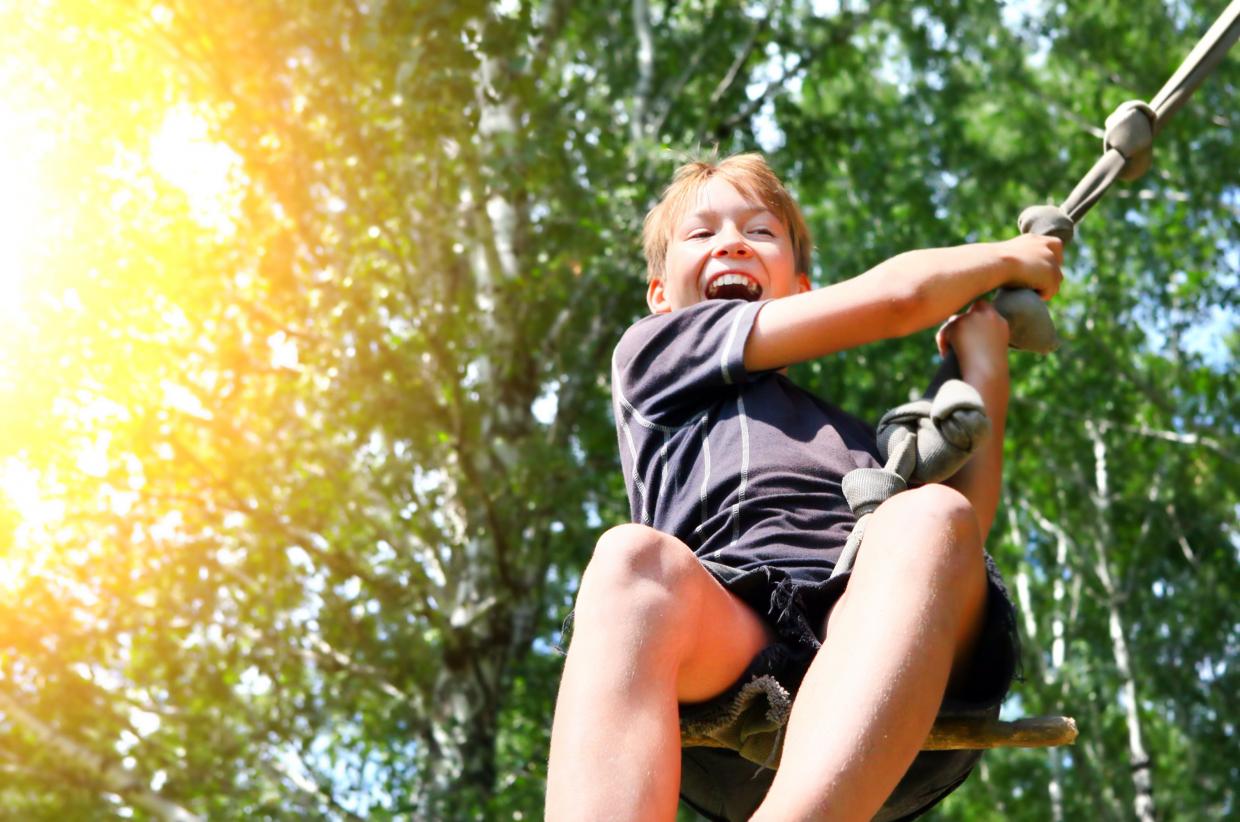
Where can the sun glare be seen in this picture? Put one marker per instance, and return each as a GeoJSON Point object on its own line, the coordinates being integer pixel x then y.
{"type": "Point", "coordinates": [207, 171]}
{"type": "Point", "coordinates": [26, 554]}
{"type": "Point", "coordinates": [22, 204]}
{"type": "Point", "coordinates": [113, 191]}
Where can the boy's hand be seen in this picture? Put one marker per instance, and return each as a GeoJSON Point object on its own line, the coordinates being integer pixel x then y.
{"type": "Point", "coordinates": [1032, 261]}
{"type": "Point", "coordinates": [979, 337]}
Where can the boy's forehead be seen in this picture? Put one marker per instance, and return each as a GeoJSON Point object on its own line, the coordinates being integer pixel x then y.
{"type": "Point", "coordinates": [718, 197]}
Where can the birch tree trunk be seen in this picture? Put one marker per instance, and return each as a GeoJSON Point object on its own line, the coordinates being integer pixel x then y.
{"type": "Point", "coordinates": [1048, 673]}
{"type": "Point", "coordinates": [1138, 757]}
{"type": "Point", "coordinates": [468, 688]}
{"type": "Point", "coordinates": [1051, 674]}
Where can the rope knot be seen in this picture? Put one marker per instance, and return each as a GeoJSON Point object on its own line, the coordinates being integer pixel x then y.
{"type": "Point", "coordinates": [867, 488]}
{"type": "Point", "coordinates": [1047, 221]}
{"type": "Point", "coordinates": [945, 430]}
{"type": "Point", "coordinates": [1029, 321]}
{"type": "Point", "coordinates": [922, 441]}
{"type": "Point", "coordinates": [1130, 131]}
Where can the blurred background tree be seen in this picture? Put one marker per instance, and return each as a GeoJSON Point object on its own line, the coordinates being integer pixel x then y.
{"type": "Point", "coordinates": [304, 417]}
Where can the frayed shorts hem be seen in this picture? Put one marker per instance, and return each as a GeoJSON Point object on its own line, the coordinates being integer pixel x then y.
{"type": "Point", "coordinates": [721, 785]}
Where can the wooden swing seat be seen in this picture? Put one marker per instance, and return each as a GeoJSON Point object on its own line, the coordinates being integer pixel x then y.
{"type": "Point", "coordinates": [974, 734]}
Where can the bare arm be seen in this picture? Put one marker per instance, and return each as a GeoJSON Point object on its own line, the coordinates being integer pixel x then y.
{"type": "Point", "coordinates": [905, 294]}
{"type": "Point", "coordinates": [980, 339]}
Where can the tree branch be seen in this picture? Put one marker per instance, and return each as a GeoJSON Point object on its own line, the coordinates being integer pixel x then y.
{"type": "Point", "coordinates": [109, 778]}
{"type": "Point", "coordinates": [742, 56]}
{"type": "Point", "coordinates": [548, 31]}
{"type": "Point", "coordinates": [845, 29]}
{"type": "Point", "coordinates": [645, 68]}
{"type": "Point", "coordinates": [1173, 436]}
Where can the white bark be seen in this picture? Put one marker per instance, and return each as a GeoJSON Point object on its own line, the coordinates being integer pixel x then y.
{"type": "Point", "coordinates": [1055, 788]}
{"type": "Point", "coordinates": [645, 68]}
{"type": "Point", "coordinates": [1058, 642]}
{"type": "Point", "coordinates": [1139, 760]}
{"type": "Point", "coordinates": [465, 689]}
{"type": "Point", "coordinates": [1050, 673]}
{"type": "Point", "coordinates": [1023, 594]}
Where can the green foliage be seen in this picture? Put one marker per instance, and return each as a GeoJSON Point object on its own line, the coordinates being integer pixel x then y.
{"type": "Point", "coordinates": [351, 454]}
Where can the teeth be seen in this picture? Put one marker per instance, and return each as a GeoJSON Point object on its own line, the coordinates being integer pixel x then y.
{"type": "Point", "coordinates": [735, 279]}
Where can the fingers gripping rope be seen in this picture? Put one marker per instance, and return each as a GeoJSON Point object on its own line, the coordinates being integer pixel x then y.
{"type": "Point", "coordinates": [1128, 150]}
{"type": "Point", "coordinates": [1127, 154]}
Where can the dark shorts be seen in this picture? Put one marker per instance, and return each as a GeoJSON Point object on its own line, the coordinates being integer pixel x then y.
{"type": "Point", "coordinates": [721, 785]}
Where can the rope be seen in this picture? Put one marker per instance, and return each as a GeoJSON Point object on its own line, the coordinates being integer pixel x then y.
{"type": "Point", "coordinates": [1127, 153]}
{"type": "Point", "coordinates": [929, 440]}
{"type": "Point", "coordinates": [923, 441]}
{"type": "Point", "coordinates": [1128, 145]}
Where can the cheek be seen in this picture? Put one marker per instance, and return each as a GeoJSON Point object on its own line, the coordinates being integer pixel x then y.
{"type": "Point", "coordinates": [781, 257]}
{"type": "Point", "coordinates": [682, 260]}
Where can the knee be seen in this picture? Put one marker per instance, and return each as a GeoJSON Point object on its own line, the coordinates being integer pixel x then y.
{"type": "Point", "coordinates": [939, 527]}
{"type": "Point", "coordinates": [933, 506]}
{"type": "Point", "coordinates": [636, 575]}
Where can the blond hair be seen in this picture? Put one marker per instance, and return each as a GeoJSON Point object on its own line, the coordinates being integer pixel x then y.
{"type": "Point", "coordinates": [748, 174]}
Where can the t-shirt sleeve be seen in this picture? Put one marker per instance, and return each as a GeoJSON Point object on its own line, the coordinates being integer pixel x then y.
{"type": "Point", "coordinates": [667, 366]}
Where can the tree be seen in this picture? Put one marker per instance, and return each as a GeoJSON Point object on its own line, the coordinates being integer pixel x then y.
{"type": "Point", "coordinates": [305, 453]}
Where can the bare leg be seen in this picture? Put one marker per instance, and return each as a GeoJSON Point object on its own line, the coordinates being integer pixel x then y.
{"type": "Point", "coordinates": [652, 628]}
{"type": "Point", "coordinates": [912, 610]}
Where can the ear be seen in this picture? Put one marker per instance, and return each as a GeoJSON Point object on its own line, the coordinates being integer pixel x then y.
{"type": "Point", "coordinates": [656, 298]}
{"type": "Point", "coordinates": [803, 284]}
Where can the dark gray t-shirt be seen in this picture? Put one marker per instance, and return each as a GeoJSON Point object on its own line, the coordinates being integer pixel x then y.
{"type": "Point", "coordinates": [744, 468]}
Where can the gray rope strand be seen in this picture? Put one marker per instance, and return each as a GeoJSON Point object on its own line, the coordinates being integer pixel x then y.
{"type": "Point", "coordinates": [1207, 54]}
{"type": "Point", "coordinates": [929, 441]}
{"type": "Point", "coordinates": [1128, 145]}
{"type": "Point", "coordinates": [1128, 152]}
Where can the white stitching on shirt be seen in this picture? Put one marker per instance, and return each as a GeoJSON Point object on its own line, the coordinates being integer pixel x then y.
{"type": "Point", "coordinates": [740, 494]}
{"type": "Point", "coordinates": [637, 480]}
{"type": "Point", "coordinates": [727, 346]}
{"type": "Point", "coordinates": [667, 439]}
{"type": "Point", "coordinates": [706, 469]}
{"type": "Point", "coordinates": [637, 417]}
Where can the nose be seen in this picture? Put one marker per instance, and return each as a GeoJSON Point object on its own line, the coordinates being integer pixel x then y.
{"type": "Point", "coordinates": [731, 244]}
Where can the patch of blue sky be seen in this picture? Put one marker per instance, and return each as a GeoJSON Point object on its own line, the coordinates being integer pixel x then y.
{"type": "Point", "coordinates": [767, 132]}
{"type": "Point", "coordinates": [353, 778]}
{"type": "Point", "coordinates": [1013, 708]}
{"type": "Point", "coordinates": [1208, 339]}
{"type": "Point", "coordinates": [547, 403]}
{"type": "Point", "coordinates": [1208, 329]}
{"type": "Point", "coordinates": [1021, 17]}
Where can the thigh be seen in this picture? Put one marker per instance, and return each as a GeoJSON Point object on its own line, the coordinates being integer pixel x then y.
{"type": "Point", "coordinates": [726, 637]}
{"type": "Point", "coordinates": [922, 546]}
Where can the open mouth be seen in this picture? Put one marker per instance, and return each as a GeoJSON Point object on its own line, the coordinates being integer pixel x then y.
{"type": "Point", "coordinates": [733, 287]}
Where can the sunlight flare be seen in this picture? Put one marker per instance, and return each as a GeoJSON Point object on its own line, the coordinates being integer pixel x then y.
{"type": "Point", "coordinates": [183, 153]}
{"type": "Point", "coordinates": [22, 203]}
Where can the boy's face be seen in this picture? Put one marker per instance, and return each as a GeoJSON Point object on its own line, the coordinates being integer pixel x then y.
{"type": "Point", "coordinates": [726, 247]}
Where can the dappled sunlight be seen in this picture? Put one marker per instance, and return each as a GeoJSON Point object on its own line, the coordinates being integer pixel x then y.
{"type": "Point", "coordinates": [307, 311]}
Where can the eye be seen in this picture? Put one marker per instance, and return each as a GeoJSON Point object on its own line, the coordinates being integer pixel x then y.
{"type": "Point", "coordinates": [762, 230]}
{"type": "Point", "coordinates": [700, 233]}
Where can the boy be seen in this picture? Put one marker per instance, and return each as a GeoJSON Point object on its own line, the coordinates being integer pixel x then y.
{"type": "Point", "coordinates": [734, 482]}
